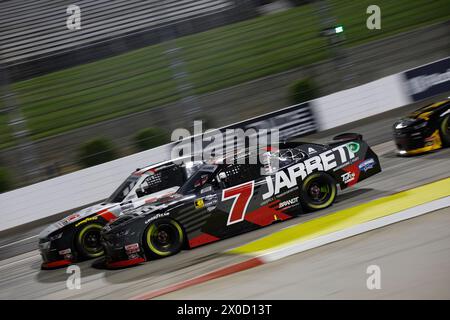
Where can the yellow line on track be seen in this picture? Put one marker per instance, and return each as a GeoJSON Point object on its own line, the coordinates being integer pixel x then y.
{"type": "Point", "coordinates": [349, 217]}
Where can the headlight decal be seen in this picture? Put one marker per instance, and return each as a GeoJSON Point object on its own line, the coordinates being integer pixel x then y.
{"type": "Point", "coordinates": [55, 237]}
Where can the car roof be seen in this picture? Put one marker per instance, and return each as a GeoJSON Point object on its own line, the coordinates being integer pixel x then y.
{"type": "Point", "coordinates": [159, 165]}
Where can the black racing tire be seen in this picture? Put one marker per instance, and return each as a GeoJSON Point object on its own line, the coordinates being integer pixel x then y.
{"type": "Point", "coordinates": [163, 238]}
{"type": "Point", "coordinates": [317, 191]}
{"type": "Point", "coordinates": [87, 241]}
{"type": "Point", "coordinates": [444, 130]}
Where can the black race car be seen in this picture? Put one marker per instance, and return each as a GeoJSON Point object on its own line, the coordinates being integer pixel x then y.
{"type": "Point", "coordinates": [426, 129]}
{"type": "Point", "coordinates": [78, 235]}
{"type": "Point", "coordinates": [223, 199]}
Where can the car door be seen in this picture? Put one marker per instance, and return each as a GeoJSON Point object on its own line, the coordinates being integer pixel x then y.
{"type": "Point", "coordinates": [235, 203]}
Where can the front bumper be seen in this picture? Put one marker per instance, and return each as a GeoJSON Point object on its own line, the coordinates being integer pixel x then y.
{"type": "Point", "coordinates": [124, 263]}
{"type": "Point", "coordinates": [122, 252]}
{"type": "Point", "coordinates": [53, 255]}
{"type": "Point", "coordinates": [410, 142]}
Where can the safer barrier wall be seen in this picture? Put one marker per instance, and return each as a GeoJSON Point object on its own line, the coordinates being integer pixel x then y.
{"type": "Point", "coordinates": [96, 183]}
{"type": "Point", "coordinates": [360, 102]}
{"type": "Point", "coordinates": [427, 80]}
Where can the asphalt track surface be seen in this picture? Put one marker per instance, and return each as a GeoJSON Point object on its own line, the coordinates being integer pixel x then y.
{"type": "Point", "coordinates": [413, 257]}
{"type": "Point", "coordinates": [21, 277]}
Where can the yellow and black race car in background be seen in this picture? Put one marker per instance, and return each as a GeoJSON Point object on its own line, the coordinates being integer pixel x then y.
{"type": "Point", "coordinates": [426, 129]}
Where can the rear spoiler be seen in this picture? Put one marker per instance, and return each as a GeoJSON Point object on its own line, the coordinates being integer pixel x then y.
{"type": "Point", "coordinates": [345, 137]}
{"type": "Point", "coordinates": [337, 140]}
{"type": "Point", "coordinates": [348, 136]}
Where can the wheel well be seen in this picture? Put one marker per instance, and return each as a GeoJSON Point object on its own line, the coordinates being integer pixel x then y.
{"type": "Point", "coordinates": [332, 176]}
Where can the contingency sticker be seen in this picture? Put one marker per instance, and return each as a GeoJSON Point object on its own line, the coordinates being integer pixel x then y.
{"type": "Point", "coordinates": [199, 203]}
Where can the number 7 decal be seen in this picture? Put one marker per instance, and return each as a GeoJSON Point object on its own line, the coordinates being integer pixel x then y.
{"type": "Point", "coordinates": [241, 194]}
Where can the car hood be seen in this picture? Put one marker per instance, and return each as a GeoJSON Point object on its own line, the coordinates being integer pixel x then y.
{"type": "Point", "coordinates": [421, 115]}
{"type": "Point", "coordinates": [424, 113]}
{"type": "Point", "coordinates": [404, 122]}
{"type": "Point", "coordinates": [74, 217]}
{"type": "Point", "coordinates": [162, 205]}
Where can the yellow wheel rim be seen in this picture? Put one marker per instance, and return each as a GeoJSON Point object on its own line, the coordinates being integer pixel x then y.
{"type": "Point", "coordinates": [152, 229]}
{"type": "Point", "coordinates": [332, 193]}
{"type": "Point", "coordinates": [81, 240]}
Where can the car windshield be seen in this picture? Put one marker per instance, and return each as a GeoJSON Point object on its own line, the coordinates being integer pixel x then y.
{"type": "Point", "coordinates": [123, 190]}
{"type": "Point", "coordinates": [199, 179]}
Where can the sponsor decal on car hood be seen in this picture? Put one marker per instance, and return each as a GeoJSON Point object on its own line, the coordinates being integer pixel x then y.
{"type": "Point", "coordinates": [74, 217]}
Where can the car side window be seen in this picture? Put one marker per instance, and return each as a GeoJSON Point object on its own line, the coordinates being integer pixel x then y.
{"type": "Point", "coordinates": [161, 180]}
{"type": "Point", "coordinates": [235, 174]}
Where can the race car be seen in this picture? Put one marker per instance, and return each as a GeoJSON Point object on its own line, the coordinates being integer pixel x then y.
{"type": "Point", "coordinates": [227, 198]}
{"type": "Point", "coordinates": [426, 129]}
{"type": "Point", "coordinates": [77, 236]}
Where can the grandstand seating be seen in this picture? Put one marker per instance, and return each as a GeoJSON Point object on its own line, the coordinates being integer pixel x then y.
{"type": "Point", "coordinates": [31, 30]}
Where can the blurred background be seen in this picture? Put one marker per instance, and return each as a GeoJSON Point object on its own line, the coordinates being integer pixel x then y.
{"type": "Point", "coordinates": [136, 70]}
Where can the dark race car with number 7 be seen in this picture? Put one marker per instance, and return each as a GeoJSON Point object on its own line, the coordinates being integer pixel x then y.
{"type": "Point", "coordinates": [225, 199]}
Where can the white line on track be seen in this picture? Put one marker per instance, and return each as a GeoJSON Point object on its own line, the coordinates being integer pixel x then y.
{"type": "Point", "coordinates": [18, 241]}
{"type": "Point", "coordinates": [12, 263]}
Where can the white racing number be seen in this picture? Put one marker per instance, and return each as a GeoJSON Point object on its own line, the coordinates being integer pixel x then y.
{"type": "Point", "coordinates": [241, 194]}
